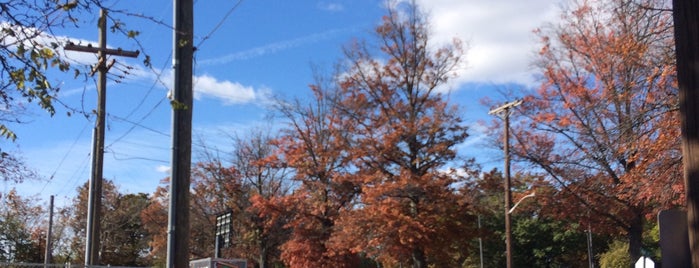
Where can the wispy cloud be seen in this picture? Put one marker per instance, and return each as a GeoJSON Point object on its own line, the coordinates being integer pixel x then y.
{"type": "Point", "coordinates": [273, 47]}
{"type": "Point", "coordinates": [331, 6]}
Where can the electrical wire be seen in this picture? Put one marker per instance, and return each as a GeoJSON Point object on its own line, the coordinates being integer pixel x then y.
{"type": "Point", "coordinates": [219, 24]}
{"type": "Point", "coordinates": [65, 156]}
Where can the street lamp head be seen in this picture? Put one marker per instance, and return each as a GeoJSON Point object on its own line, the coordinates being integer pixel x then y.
{"type": "Point", "coordinates": [533, 194]}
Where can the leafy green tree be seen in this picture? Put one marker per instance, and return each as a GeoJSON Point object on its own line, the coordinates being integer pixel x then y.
{"type": "Point", "coordinates": [616, 256]}
{"type": "Point", "coordinates": [538, 239]}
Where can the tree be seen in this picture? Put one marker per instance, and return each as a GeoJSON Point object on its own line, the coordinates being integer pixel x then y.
{"type": "Point", "coordinates": [604, 123]}
{"type": "Point", "coordinates": [155, 221]}
{"type": "Point", "coordinates": [264, 174]}
{"type": "Point", "coordinates": [404, 134]}
{"type": "Point", "coordinates": [242, 185]}
{"type": "Point", "coordinates": [30, 50]}
{"type": "Point", "coordinates": [20, 220]}
{"type": "Point", "coordinates": [538, 239]}
{"type": "Point", "coordinates": [314, 146]}
{"type": "Point", "coordinates": [13, 168]}
{"type": "Point", "coordinates": [27, 50]}
{"type": "Point", "coordinates": [31, 56]}
{"type": "Point", "coordinates": [254, 177]}
{"type": "Point", "coordinates": [617, 256]}
{"type": "Point", "coordinates": [123, 237]}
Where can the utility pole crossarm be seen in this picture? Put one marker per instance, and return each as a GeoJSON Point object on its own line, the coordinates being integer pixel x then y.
{"type": "Point", "coordinates": [108, 51]}
{"type": "Point", "coordinates": [505, 107]}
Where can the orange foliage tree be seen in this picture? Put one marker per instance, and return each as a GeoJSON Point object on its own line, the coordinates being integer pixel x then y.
{"type": "Point", "coordinates": [155, 220]}
{"type": "Point", "coordinates": [251, 178]}
{"type": "Point", "coordinates": [314, 146]}
{"type": "Point", "coordinates": [604, 124]}
{"type": "Point", "coordinates": [403, 136]}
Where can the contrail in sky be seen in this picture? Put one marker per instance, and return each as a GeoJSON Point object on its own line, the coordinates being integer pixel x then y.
{"type": "Point", "coordinates": [274, 47]}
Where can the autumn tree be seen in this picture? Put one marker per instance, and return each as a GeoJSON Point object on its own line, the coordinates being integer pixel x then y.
{"type": "Point", "coordinates": [403, 138]}
{"type": "Point", "coordinates": [603, 124]}
{"type": "Point", "coordinates": [20, 229]}
{"type": "Point", "coordinates": [155, 221]}
{"type": "Point", "coordinates": [265, 174]}
{"type": "Point", "coordinates": [123, 235]}
{"type": "Point", "coordinates": [242, 182]}
{"type": "Point", "coordinates": [314, 145]}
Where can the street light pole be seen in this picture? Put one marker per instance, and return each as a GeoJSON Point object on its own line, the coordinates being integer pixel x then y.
{"type": "Point", "coordinates": [505, 111]}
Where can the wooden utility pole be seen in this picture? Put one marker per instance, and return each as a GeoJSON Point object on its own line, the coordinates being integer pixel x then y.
{"type": "Point", "coordinates": [505, 110]}
{"type": "Point", "coordinates": [92, 240]}
{"type": "Point", "coordinates": [178, 218]}
{"type": "Point", "coordinates": [49, 233]}
{"type": "Point", "coordinates": [686, 19]}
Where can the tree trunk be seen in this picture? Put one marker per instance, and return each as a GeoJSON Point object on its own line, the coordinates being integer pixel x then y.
{"type": "Point", "coordinates": [419, 258]}
{"type": "Point", "coordinates": [262, 246]}
{"type": "Point", "coordinates": [635, 236]}
{"type": "Point", "coordinates": [263, 258]}
{"type": "Point", "coordinates": [686, 19]}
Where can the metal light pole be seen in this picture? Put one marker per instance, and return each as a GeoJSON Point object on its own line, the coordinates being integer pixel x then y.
{"type": "Point", "coordinates": [505, 111]}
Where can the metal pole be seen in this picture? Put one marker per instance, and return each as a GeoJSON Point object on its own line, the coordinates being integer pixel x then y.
{"type": "Point", "coordinates": [217, 247]}
{"type": "Point", "coordinates": [590, 258]}
{"type": "Point", "coordinates": [47, 254]}
{"type": "Point", "coordinates": [480, 240]}
{"type": "Point", "coordinates": [178, 219]}
{"type": "Point", "coordinates": [92, 240]}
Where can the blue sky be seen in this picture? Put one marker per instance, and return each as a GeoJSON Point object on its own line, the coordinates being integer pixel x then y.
{"type": "Point", "coordinates": [260, 49]}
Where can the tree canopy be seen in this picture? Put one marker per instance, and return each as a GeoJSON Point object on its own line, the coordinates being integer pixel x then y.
{"type": "Point", "coordinates": [604, 125]}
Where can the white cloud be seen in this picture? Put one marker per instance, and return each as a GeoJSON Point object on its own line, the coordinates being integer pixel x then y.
{"type": "Point", "coordinates": [498, 32]}
{"type": "Point", "coordinates": [163, 169]}
{"type": "Point", "coordinates": [228, 92]}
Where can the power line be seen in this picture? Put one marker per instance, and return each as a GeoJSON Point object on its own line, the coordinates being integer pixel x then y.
{"type": "Point", "coordinates": [65, 156]}
{"type": "Point", "coordinates": [219, 24]}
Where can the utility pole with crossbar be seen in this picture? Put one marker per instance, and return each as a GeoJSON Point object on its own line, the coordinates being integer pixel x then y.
{"type": "Point", "coordinates": [92, 240]}
{"type": "Point", "coordinates": [505, 111]}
